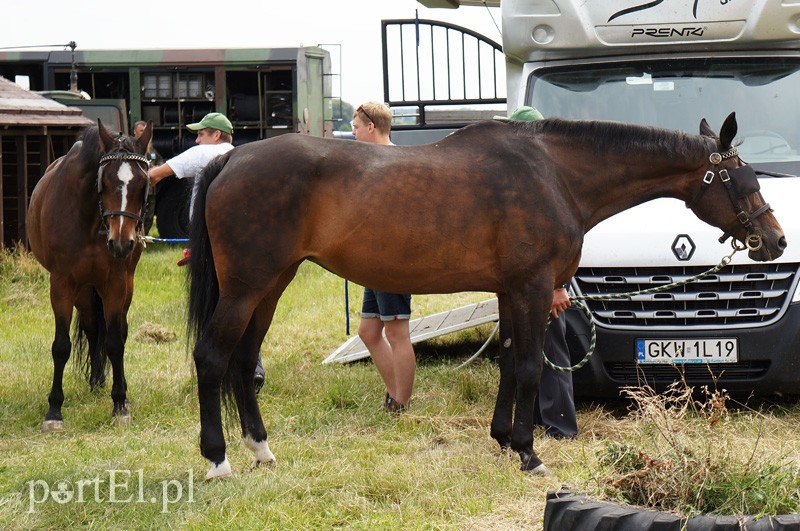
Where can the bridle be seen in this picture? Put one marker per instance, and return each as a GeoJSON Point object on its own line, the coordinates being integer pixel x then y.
{"type": "Point", "coordinates": [121, 156]}
{"type": "Point", "coordinates": [739, 183]}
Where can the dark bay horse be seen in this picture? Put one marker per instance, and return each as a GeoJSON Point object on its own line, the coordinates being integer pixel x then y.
{"type": "Point", "coordinates": [84, 227]}
{"type": "Point", "coordinates": [497, 207]}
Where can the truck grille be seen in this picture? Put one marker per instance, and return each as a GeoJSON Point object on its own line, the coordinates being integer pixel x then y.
{"type": "Point", "coordinates": [634, 374]}
{"type": "Point", "coordinates": [736, 296]}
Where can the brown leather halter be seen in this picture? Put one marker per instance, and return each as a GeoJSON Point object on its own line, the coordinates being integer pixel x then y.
{"type": "Point", "coordinates": [739, 183]}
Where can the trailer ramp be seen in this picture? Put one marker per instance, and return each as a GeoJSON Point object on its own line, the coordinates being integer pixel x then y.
{"type": "Point", "coordinates": [427, 327]}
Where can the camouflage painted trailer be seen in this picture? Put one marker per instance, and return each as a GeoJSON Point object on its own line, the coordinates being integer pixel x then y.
{"type": "Point", "coordinates": [265, 93]}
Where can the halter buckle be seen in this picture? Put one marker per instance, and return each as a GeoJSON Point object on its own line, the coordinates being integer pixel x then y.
{"type": "Point", "coordinates": [709, 177]}
{"type": "Point", "coordinates": [743, 218]}
{"type": "Point", "coordinates": [723, 175]}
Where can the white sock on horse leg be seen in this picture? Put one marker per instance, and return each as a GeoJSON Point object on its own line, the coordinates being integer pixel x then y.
{"type": "Point", "coordinates": [260, 450]}
{"type": "Point", "coordinates": [222, 470]}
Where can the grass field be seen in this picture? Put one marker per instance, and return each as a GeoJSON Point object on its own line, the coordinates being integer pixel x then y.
{"type": "Point", "coordinates": [342, 462]}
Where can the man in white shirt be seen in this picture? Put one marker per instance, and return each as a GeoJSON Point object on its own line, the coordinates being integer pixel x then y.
{"type": "Point", "coordinates": [214, 137]}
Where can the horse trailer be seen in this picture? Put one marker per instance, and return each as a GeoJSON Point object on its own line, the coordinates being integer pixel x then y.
{"type": "Point", "coordinates": [265, 93]}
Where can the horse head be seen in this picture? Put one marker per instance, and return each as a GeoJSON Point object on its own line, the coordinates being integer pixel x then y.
{"type": "Point", "coordinates": [729, 198]}
{"type": "Point", "coordinates": [123, 185]}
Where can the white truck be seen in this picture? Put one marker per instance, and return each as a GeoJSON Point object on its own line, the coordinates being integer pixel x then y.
{"type": "Point", "coordinates": [669, 63]}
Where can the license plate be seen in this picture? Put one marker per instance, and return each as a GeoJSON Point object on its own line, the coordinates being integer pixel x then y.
{"type": "Point", "coordinates": [678, 351]}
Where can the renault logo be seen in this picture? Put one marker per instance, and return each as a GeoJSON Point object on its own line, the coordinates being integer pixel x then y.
{"type": "Point", "coordinates": [683, 247]}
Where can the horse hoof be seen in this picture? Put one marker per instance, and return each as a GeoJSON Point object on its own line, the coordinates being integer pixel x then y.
{"type": "Point", "coordinates": [531, 463]}
{"type": "Point", "coordinates": [122, 420]}
{"type": "Point", "coordinates": [267, 464]}
{"type": "Point", "coordinates": [53, 426]}
{"type": "Point", "coordinates": [541, 471]}
{"type": "Point", "coordinates": [220, 471]}
{"type": "Point", "coordinates": [261, 451]}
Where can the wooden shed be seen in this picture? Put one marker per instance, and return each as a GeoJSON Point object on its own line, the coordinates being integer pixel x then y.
{"type": "Point", "coordinates": [34, 131]}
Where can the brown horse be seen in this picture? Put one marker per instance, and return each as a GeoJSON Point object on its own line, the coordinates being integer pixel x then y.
{"type": "Point", "coordinates": [498, 207]}
{"type": "Point", "coordinates": [91, 253]}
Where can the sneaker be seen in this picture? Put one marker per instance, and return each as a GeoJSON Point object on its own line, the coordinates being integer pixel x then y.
{"type": "Point", "coordinates": [259, 377]}
{"type": "Point", "coordinates": [187, 255]}
{"type": "Point", "coordinates": [390, 405]}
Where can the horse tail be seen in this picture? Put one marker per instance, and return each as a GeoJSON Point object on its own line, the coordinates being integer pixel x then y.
{"type": "Point", "coordinates": [91, 357]}
{"type": "Point", "coordinates": [203, 285]}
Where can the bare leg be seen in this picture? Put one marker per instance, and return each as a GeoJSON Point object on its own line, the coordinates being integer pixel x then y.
{"type": "Point", "coordinates": [370, 330]}
{"type": "Point", "coordinates": [404, 364]}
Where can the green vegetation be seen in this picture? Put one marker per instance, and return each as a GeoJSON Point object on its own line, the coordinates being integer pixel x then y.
{"type": "Point", "coordinates": [342, 462]}
{"type": "Point", "coordinates": [691, 455]}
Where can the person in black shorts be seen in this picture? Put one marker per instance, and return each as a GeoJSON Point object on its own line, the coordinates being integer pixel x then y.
{"type": "Point", "coordinates": [383, 312]}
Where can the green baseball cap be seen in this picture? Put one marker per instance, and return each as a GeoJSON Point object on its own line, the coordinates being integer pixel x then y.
{"type": "Point", "coordinates": [523, 114]}
{"type": "Point", "coordinates": [213, 120]}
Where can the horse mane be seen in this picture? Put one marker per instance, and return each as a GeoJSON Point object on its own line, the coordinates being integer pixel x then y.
{"type": "Point", "coordinates": [619, 137]}
{"type": "Point", "coordinates": [91, 149]}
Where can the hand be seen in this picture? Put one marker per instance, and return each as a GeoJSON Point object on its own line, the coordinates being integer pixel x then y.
{"type": "Point", "coordinates": [560, 301]}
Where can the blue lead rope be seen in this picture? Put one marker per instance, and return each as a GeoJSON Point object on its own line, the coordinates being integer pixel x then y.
{"type": "Point", "coordinates": [150, 239]}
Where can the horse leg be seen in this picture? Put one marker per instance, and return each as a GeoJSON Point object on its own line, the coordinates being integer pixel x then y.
{"type": "Point", "coordinates": [212, 356]}
{"type": "Point", "coordinates": [529, 313]}
{"type": "Point", "coordinates": [61, 303]}
{"type": "Point", "coordinates": [504, 406]}
{"type": "Point", "coordinates": [114, 303]}
{"type": "Point", "coordinates": [116, 336]}
{"type": "Point", "coordinates": [254, 434]}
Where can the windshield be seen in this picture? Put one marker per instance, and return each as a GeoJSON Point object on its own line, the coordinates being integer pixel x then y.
{"type": "Point", "coordinates": [764, 93]}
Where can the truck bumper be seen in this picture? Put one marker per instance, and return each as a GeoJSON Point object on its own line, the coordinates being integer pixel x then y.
{"type": "Point", "coordinates": [769, 360]}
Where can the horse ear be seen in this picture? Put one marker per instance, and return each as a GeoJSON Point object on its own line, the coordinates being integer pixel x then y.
{"type": "Point", "coordinates": [144, 140]}
{"type": "Point", "coordinates": [106, 140]}
{"type": "Point", "coordinates": [728, 131]}
{"type": "Point", "coordinates": [706, 130]}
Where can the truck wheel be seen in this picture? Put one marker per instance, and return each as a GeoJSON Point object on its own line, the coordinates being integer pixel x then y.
{"type": "Point", "coordinates": [172, 207]}
{"type": "Point", "coordinates": [566, 511]}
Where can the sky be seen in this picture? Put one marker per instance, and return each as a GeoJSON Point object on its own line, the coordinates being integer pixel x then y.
{"type": "Point", "coordinates": [148, 24]}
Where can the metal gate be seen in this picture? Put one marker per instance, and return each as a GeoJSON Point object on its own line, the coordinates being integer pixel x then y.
{"type": "Point", "coordinates": [436, 71]}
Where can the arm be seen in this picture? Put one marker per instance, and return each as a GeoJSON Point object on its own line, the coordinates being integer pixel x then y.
{"type": "Point", "coordinates": [560, 301]}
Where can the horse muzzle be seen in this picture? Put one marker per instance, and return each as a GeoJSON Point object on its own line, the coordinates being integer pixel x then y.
{"type": "Point", "coordinates": [121, 238]}
{"type": "Point", "coordinates": [120, 247]}
{"type": "Point", "coordinates": [764, 248]}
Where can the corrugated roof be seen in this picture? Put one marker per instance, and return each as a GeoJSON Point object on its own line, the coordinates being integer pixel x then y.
{"type": "Point", "coordinates": [22, 107]}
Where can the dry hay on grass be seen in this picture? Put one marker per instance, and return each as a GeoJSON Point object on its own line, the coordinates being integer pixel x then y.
{"type": "Point", "coordinates": [154, 333]}
{"type": "Point", "coordinates": [21, 299]}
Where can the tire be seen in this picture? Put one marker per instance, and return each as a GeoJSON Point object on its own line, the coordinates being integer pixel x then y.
{"type": "Point", "coordinates": [567, 511]}
{"type": "Point", "coordinates": [172, 207]}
